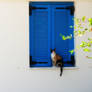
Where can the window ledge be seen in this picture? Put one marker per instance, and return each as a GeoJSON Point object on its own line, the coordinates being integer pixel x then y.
{"type": "Point", "coordinates": [55, 68]}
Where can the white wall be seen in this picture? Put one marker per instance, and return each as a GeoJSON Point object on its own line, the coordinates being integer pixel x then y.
{"type": "Point", "coordinates": [15, 74]}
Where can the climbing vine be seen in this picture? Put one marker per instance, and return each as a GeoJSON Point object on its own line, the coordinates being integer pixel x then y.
{"type": "Point", "coordinates": [81, 27]}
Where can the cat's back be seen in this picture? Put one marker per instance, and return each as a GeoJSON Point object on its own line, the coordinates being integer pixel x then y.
{"type": "Point", "coordinates": [58, 57]}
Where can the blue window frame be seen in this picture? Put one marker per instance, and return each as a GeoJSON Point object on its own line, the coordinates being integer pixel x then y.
{"type": "Point", "coordinates": [47, 20]}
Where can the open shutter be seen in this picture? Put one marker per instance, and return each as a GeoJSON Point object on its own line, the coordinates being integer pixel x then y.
{"type": "Point", "coordinates": [39, 36]}
{"type": "Point", "coordinates": [62, 20]}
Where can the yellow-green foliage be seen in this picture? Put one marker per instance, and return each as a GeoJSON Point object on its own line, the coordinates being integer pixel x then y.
{"type": "Point", "coordinates": [81, 27]}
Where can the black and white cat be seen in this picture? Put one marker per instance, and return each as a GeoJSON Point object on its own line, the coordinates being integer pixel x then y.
{"type": "Point", "coordinates": [57, 60]}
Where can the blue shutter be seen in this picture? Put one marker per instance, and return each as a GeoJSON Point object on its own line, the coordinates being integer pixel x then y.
{"type": "Point", "coordinates": [61, 27]}
{"type": "Point", "coordinates": [61, 20]}
{"type": "Point", "coordinates": [40, 36]}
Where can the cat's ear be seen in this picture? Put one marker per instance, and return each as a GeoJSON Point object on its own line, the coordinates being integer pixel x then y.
{"type": "Point", "coordinates": [55, 49]}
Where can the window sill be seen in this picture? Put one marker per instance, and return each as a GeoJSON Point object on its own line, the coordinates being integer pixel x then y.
{"type": "Point", "coordinates": [55, 68]}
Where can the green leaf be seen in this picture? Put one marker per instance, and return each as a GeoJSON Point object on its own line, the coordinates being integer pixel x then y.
{"type": "Point", "coordinates": [83, 44]}
{"type": "Point", "coordinates": [75, 31]}
{"type": "Point", "coordinates": [69, 37]}
{"type": "Point", "coordinates": [63, 37]}
{"type": "Point", "coordinates": [83, 32]}
{"type": "Point", "coordinates": [89, 45]}
{"type": "Point", "coordinates": [83, 18]}
{"type": "Point", "coordinates": [75, 27]}
{"type": "Point", "coordinates": [71, 26]}
{"type": "Point", "coordinates": [81, 27]}
{"type": "Point", "coordinates": [76, 21]}
{"type": "Point", "coordinates": [79, 31]}
{"type": "Point", "coordinates": [90, 42]}
{"type": "Point", "coordinates": [71, 51]}
{"type": "Point", "coordinates": [86, 50]}
{"type": "Point", "coordinates": [86, 29]}
{"type": "Point", "coordinates": [89, 57]}
{"type": "Point", "coordinates": [66, 37]}
{"type": "Point", "coordinates": [88, 38]}
{"type": "Point", "coordinates": [90, 21]}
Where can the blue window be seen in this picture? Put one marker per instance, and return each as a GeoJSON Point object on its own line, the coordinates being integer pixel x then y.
{"type": "Point", "coordinates": [47, 20]}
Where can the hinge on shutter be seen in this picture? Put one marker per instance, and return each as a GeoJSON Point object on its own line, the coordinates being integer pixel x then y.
{"type": "Point", "coordinates": [34, 62]}
{"type": "Point", "coordinates": [30, 60]}
{"type": "Point", "coordinates": [30, 10]}
{"type": "Point", "coordinates": [33, 8]}
{"type": "Point", "coordinates": [73, 60]}
{"type": "Point", "coordinates": [71, 8]}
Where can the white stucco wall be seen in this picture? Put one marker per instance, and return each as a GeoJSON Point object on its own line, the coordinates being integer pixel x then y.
{"type": "Point", "coordinates": [15, 74]}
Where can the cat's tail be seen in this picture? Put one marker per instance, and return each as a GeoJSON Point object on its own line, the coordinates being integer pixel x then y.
{"type": "Point", "coordinates": [60, 64]}
{"type": "Point", "coordinates": [61, 68]}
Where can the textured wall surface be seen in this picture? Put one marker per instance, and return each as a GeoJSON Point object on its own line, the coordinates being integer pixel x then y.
{"type": "Point", "coordinates": [15, 74]}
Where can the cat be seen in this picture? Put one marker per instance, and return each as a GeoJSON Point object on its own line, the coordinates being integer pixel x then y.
{"type": "Point", "coordinates": [57, 60]}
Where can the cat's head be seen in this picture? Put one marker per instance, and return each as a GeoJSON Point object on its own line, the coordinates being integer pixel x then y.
{"type": "Point", "coordinates": [53, 50]}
